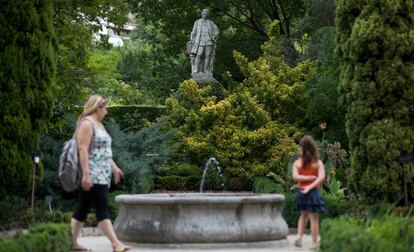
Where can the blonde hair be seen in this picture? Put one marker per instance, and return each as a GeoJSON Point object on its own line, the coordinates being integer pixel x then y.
{"type": "Point", "coordinates": [93, 103]}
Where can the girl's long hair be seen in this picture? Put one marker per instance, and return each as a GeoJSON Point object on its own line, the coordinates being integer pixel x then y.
{"type": "Point", "coordinates": [310, 153]}
{"type": "Point", "coordinates": [92, 105]}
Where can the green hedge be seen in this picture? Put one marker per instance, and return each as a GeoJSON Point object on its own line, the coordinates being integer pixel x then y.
{"type": "Point", "coordinates": [385, 234]}
{"type": "Point", "coordinates": [170, 183]}
{"type": "Point", "coordinates": [130, 117]}
{"type": "Point", "coordinates": [41, 238]}
{"type": "Point", "coordinates": [134, 117]}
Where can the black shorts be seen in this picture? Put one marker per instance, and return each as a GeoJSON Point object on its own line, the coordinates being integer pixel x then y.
{"type": "Point", "coordinates": [97, 198]}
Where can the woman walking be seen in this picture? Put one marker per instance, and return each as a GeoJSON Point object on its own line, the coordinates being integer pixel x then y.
{"type": "Point", "coordinates": [95, 156]}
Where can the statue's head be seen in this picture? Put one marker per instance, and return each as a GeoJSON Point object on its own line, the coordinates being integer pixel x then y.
{"type": "Point", "coordinates": [204, 14]}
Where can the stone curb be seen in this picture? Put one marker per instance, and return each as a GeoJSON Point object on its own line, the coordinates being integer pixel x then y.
{"type": "Point", "coordinates": [95, 231]}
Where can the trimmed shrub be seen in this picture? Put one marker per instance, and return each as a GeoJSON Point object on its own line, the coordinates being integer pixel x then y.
{"type": "Point", "coordinates": [179, 169]}
{"type": "Point", "coordinates": [376, 85]}
{"type": "Point", "coordinates": [234, 184]}
{"type": "Point", "coordinates": [170, 183]}
{"type": "Point", "coordinates": [11, 218]}
{"type": "Point", "coordinates": [193, 183]}
{"type": "Point", "coordinates": [385, 234]}
{"type": "Point", "coordinates": [188, 173]}
{"type": "Point", "coordinates": [41, 238]}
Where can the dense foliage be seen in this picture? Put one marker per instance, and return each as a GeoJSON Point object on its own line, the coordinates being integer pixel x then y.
{"type": "Point", "coordinates": [75, 22]}
{"type": "Point", "coordinates": [140, 153]}
{"type": "Point", "coordinates": [385, 233]}
{"type": "Point", "coordinates": [27, 78]}
{"type": "Point", "coordinates": [236, 32]}
{"type": "Point", "coordinates": [106, 79]}
{"type": "Point", "coordinates": [377, 89]}
{"type": "Point", "coordinates": [254, 15]}
{"type": "Point", "coordinates": [275, 84]}
{"type": "Point", "coordinates": [237, 130]}
{"type": "Point", "coordinates": [321, 93]}
{"type": "Point", "coordinates": [253, 128]}
{"type": "Point", "coordinates": [146, 63]}
{"type": "Point", "coordinates": [41, 238]}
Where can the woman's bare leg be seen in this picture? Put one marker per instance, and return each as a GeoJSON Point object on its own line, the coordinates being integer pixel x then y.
{"type": "Point", "coordinates": [301, 227]}
{"type": "Point", "coordinates": [76, 226]}
{"type": "Point", "coordinates": [108, 230]}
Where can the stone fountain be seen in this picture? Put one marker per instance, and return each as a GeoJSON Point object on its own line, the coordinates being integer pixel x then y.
{"type": "Point", "coordinates": [188, 218]}
{"type": "Point", "coordinates": [201, 218]}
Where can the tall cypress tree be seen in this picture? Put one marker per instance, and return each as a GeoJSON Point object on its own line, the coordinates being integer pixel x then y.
{"type": "Point", "coordinates": [27, 72]}
{"type": "Point", "coordinates": [376, 43]}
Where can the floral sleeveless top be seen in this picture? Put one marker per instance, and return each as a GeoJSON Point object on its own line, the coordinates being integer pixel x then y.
{"type": "Point", "coordinates": [100, 157]}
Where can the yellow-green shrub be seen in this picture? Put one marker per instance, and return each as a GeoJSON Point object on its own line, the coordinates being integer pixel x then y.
{"type": "Point", "coordinates": [237, 130]}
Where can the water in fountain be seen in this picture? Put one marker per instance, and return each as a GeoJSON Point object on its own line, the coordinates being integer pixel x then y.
{"type": "Point", "coordinates": [215, 162]}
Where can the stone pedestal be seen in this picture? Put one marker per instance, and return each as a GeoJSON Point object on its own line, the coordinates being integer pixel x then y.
{"type": "Point", "coordinates": [207, 79]}
{"type": "Point", "coordinates": [203, 78]}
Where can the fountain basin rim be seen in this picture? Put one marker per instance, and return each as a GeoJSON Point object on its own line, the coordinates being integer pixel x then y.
{"type": "Point", "coordinates": [198, 198]}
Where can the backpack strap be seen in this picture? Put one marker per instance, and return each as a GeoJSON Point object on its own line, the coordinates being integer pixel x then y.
{"type": "Point", "coordinates": [93, 126]}
{"type": "Point", "coordinates": [93, 131]}
{"type": "Point", "coordinates": [78, 124]}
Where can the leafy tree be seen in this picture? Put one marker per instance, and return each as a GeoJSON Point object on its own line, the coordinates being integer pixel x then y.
{"type": "Point", "coordinates": [318, 14]}
{"type": "Point", "coordinates": [254, 15]}
{"type": "Point", "coordinates": [321, 93]}
{"type": "Point", "coordinates": [146, 64]}
{"type": "Point", "coordinates": [27, 79]}
{"type": "Point", "coordinates": [107, 80]}
{"type": "Point", "coordinates": [74, 22]}
{"type": "Point", "coordinates": [242, 25]}
{"type": "Point", "coordinates": [376, 87]}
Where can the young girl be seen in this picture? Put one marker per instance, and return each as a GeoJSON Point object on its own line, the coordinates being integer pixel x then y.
{"type": "Point", "coordinates": [309, 172]}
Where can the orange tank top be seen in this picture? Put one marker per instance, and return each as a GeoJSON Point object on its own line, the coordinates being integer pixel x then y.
{"type": "Point", "coordinates": [309, 170]}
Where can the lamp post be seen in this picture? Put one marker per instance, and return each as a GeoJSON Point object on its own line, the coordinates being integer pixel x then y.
{"type": "Point", "coordinates": [36, 160]}
{"type": "Point", "coordinates": [323, 127]}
